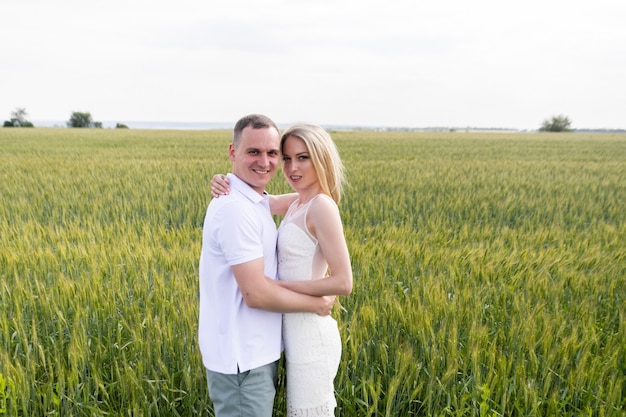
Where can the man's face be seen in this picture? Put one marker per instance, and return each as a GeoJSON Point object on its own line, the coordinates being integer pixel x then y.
{"type": "Point", "coordinates": [256, 158]}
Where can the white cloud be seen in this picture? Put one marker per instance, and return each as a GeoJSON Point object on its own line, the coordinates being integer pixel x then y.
{"type": "Point", "coordinates": [448, 63]}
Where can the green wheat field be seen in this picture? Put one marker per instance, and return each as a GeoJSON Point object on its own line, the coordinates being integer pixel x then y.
{"type": "Point", "coordinates": [489, 272]}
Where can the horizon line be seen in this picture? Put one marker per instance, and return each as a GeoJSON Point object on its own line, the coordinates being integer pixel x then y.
{"type": "Point", "coordinates": [218, 125]}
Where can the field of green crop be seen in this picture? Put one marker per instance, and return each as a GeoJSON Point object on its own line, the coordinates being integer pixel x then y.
{"type": "Point", "coordinates": [489, 268]}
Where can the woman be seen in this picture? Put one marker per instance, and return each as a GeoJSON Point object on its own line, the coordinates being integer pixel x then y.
{"type": "Point", "coordinates": [313, 259]}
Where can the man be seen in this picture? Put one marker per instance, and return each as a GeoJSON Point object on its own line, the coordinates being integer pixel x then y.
{"type": "Point", "coordinates": [240, 306]}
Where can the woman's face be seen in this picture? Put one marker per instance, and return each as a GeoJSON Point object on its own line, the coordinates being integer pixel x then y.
{"type": "Point", "coordinates": [297, 165]}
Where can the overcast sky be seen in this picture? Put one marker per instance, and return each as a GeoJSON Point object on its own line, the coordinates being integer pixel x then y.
{"type": "Point", "coordinates": [449, 63]}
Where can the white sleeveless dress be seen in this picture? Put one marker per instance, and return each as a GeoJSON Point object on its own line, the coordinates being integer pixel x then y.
{"type": "Point", "coordinates": [312, 342]}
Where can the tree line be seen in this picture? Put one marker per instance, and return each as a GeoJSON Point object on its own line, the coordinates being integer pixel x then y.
{"type": "Point", "coordinates": [560, 123]}
{"type": "Point", "coordinates": [77, 119]}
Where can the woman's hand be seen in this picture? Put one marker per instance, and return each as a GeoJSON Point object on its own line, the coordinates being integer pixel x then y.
{"type": "Point", "coordinates": [219, 185]}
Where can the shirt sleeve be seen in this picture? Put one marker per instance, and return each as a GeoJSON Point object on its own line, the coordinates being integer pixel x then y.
{"type": "Point", "coordinates": [240, 231]}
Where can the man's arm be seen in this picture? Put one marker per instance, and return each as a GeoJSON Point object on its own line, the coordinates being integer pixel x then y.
{"type": "Point", "coordinates": [263, 293]}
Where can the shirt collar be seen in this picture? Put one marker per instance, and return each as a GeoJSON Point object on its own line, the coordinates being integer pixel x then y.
{"type": "Point", "coordinates": [238, 185]}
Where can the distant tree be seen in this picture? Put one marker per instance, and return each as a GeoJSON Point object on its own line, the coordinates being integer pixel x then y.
{"type": "Point", "coordinates": [19, 115]}
{"type": "Point", "coordinates": [18, 119]}
{"type": "Point", "coordinates": [558, 123]}
{"type": "Point", "coordinates": [82, 119]}
{"type": "Point", "coordinates": [121, 126]}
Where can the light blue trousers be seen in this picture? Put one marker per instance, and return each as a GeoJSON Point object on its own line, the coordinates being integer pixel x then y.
{"type": "Point", "coordinates": [246, 394]}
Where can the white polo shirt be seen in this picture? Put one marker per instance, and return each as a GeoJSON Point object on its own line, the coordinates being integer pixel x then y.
{"type": "Point", "coordinates": [238, 228]}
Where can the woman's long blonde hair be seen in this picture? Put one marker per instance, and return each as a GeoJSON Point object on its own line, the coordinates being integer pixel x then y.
{"type": "Point", "coordinates": [324, 155]}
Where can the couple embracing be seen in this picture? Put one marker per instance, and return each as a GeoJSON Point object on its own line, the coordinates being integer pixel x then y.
{"type": "Point", "coordinates": [260, 286]}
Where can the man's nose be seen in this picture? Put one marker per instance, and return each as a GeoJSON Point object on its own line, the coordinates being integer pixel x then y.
{"type": "Point", "coordinates": [264, 159]}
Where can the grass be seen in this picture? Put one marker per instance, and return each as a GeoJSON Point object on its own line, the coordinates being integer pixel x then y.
{"type": "Point", "coordinates": [489, 273]}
